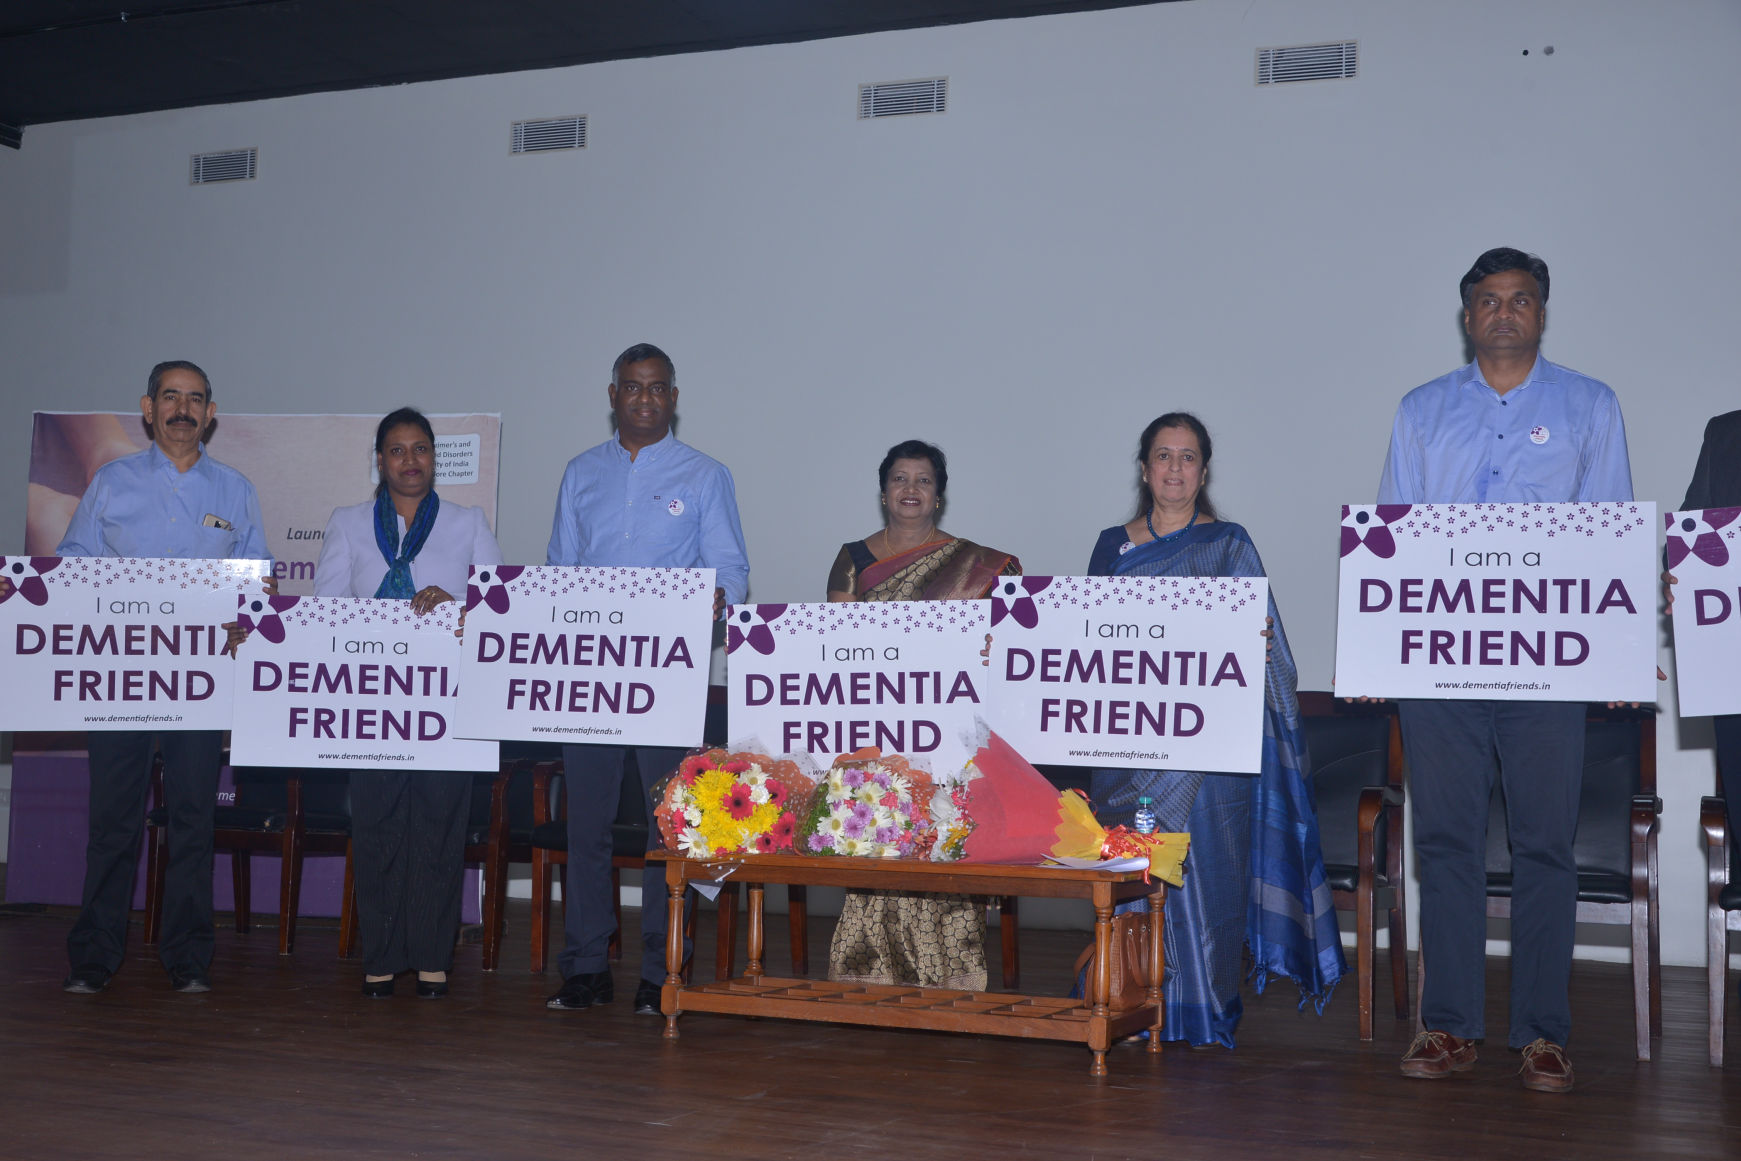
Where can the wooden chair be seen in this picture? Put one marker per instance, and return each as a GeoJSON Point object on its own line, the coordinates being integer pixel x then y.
{"type": "Point", "coordinates": [549, 844]}
{"type": "Point", "coordinates": [498, 834]}
{"type": "Point", "coordinates": [288, 813]}
{"type": "Point", "coordinates": [1357, 765]}
{"type": "Point", "coordinates": [1618, 815]}
{"type": "Point", "coordinates": [1722, 908]}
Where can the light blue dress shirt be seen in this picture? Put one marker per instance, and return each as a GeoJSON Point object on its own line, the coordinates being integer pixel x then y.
{"type": "Point", "coordinates": [1556, 437]}
{"type": "Point", "coordinates": [669, 507]}
{"type": "Point", "coordinates": [351, 564]}
{"type": "Point", "coordinates": [140, 505]}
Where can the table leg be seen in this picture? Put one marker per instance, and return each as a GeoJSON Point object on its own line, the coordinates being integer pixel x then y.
{"type": "Point", "coordinates": [1100, 979]}
{"type": "Point", "coordinates": [756, 933]}
{"type": "Point", "coordinates": [1158, 960]}
{"type": "Point", "coordinates": [677, 870]}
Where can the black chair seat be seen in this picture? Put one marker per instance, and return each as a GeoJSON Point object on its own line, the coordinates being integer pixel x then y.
{"type": "Point", "coordinates": [1593, 887]}
{"type": "Point", "coordinates": [1729, 899]}
{"type": "Point", "coordinates": [1346, 877]}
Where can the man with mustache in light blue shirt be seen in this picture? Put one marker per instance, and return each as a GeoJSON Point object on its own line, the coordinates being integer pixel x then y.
{"type": "Point", "coordinates": [170, 500]}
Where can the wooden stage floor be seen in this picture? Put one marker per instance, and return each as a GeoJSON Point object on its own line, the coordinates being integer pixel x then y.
{"type": "Point", "coordinates": [285, 1059]}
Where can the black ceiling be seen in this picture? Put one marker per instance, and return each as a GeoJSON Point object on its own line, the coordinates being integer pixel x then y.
{"type": "Point", "coordinates": [62, 60]}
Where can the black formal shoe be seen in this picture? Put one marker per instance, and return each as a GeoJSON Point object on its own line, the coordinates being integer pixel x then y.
{"type": "Point", "coordinates": [647, 999]}
{"type": "Point", "coordinates": [583, 990]}
{"type": "Point", "coordinates": [378, 989]}
{"type": "Point", "coordinates": [431, 989]}
{"type": "Point", "coordinates": [87, 979]}
{"type": "Point", "coordinates": [189, 980]}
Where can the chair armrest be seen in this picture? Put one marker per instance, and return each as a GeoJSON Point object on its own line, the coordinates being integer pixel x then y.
{"type": "Point", "coordinates": [1371, 806]}
{"type": "Point", "coordinates": [1714, 821]}
{"type": "Point", "coordinates": [541, 775]}
{"type": "Point", "coordinates": [499, 799]}
{"type": "Point", "coordinates": [1646, 809]}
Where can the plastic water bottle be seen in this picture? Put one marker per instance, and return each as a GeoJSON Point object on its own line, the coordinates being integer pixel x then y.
{"type": "Point", "coordinates": [1146, 822]}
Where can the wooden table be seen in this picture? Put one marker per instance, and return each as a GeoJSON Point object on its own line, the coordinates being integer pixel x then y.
{"type": "Point", "coordinates": [1091, 1021]}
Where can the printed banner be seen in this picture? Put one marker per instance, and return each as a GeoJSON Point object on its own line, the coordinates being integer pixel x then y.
{"type": "Point", "coordinates": [303, 466]}
{"type": "Point", "coordinates": [118, 643]}
{"type": "Point", "coordinates": [825, 679]}
{"type": "Point", "coordinates": [617, 655]}
{"type": "Point", "coordinates": [1137, 672]}
{"type": "Point", "coordinates": [350, 681]}
{"type": "Point", "coordinates": [1704, 554]}
{"type": "Point", "coordinates": [1530, 602]}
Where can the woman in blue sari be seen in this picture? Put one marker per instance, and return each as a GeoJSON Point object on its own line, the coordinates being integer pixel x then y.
{"type": "Point", "coordinates": [1255, 874]}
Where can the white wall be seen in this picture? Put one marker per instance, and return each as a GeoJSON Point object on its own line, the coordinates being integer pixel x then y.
{"type": "Point", "coordinates": [1111, 220]}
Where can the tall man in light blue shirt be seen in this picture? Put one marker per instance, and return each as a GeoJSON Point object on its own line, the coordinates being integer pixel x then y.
{"type": "Point", "coordinates": [642, 499]}
{"type": "Point", "coordinates": [170, 500]}
{"type": "Point", "coordinates": [1510, 426]}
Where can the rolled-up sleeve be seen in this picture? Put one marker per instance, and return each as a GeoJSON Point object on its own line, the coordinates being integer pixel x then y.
{"type": "Point", "coordinates": [722, 540]}
{"type": "Point", "coordinates": [1400, 482]}
{"type": "Point", "coordinates": [1608, 471]}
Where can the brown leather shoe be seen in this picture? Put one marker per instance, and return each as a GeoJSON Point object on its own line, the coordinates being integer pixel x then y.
{"type": "Point", "coordinates": [1437, 1054]}
{"type": "Point", "coordinates": [1545, 1067]}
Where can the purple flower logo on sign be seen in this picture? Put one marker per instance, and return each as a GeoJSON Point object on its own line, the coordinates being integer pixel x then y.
{"type": "Point", "coordinates": [25, 574]}
{"type": "Point", "coordinates": [1695, 535]}
{"type": "Point", "coordinates": [1014, 598]}
{"type": "Point", "coordinates": [489, 586]}
{"type": "Point", "coordinates": [260, 614]}
{"type": "Point", "coordinates": [1369, 524]}
{"type": "Point", "coordinates": [748, 625]}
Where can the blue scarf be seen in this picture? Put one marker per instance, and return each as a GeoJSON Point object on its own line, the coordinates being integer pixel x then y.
{"type": "Point", "coordinates": [396, 585]}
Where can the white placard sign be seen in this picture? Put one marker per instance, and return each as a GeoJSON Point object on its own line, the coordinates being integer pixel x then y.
{"type": "Point", "coordinates": [826, 679]}
{"type": "Point", "coordinates": [1519, 601]}
{"type": "Point", "coordinates": [617, 655]}
{"type": "Point", "coordinates": [118, 643]}
{"type": "Point", "coordinates": [350, 681]}
{"type": "Point", "coordinates": [1132, 672]}
{"type": "Point", "coordinates": [1704, 554]}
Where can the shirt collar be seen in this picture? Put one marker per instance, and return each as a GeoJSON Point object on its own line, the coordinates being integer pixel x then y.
{"type": "Point", "coordinates": [652, 451]}
{"type": "Point", "coordinates": [1541, 372]}
{"type": "Point", "coordinates": [162, 462]}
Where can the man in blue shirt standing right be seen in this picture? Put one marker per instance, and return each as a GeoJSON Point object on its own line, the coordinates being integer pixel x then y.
{"type": "Point", "coordinates": [641, 498]}
{"type": "Point", "coordinates": [1510, 426]}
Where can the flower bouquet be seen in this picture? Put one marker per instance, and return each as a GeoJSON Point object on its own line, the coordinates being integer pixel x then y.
{"type": "Point", "coordinates": [719, 803]}
{"type": "Point", "coordinates": [1002, 810]}
{"type": "Point", "coordinates": [869, 806]}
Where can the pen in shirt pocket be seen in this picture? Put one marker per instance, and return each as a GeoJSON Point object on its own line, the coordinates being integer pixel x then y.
{"type": "Point", "coordinates": [214, 521]}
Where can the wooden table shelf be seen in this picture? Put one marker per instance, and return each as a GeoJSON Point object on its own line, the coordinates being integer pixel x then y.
{"type": "Point", "coordinates": [1091, 1021]}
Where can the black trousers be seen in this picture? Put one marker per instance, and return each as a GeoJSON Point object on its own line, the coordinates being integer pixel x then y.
{"type": "Point", "coordinates": [408, 849]}
{"type": "Point", "coordinates": [594, 779]}
{"type": "Point", "coordinates": [120, 763]}
{"type": "Point", "coordinates": [1728, 728]}
{"type": "Point", "coordinates": [1455, 751]}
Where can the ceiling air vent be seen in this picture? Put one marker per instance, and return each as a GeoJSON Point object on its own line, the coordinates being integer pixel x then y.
{"type": "Point", "coordinates": [551, 133]}
{"type": "Point", "coordinates": [226, 165]}
{"type": "Point", "coordinates": [1307, 62]}
{"type": "Point", "coordinates": [902, 98]}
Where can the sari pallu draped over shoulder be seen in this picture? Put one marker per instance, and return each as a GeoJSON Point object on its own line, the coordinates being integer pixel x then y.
{"type": "Point", "coordinates": [1290, 917]}
{"type": "Point", "coordinates": [956, 570]}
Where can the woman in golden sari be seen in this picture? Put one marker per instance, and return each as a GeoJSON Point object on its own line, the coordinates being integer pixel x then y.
{"type": "Point", "coordinates": [886, 937]}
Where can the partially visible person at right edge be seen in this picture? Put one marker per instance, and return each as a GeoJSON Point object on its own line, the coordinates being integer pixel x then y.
{"type": "Point", "coordinates": [1510, 426]}
{"type": "Point", "coordinates": [1717, 484]}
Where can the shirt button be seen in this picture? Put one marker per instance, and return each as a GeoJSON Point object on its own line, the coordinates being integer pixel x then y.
{"type": "Point", "coordinates": [1502, 437]}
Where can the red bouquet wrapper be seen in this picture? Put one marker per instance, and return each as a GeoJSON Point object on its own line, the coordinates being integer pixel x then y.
{"type": "Point", "coordinates": [1020, 817]}
{"type": "Point", "coordinates": [1015, 810]}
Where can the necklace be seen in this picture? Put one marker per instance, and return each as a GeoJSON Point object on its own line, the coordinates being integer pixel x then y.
{"type": "Point", "coordinates": [1149, 519]}
{"type": "Point", "coordinates": [889, 549]}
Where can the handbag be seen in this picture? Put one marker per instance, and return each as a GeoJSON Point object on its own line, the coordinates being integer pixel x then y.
{"type": "Point", "coordinates": [1132, 967]}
